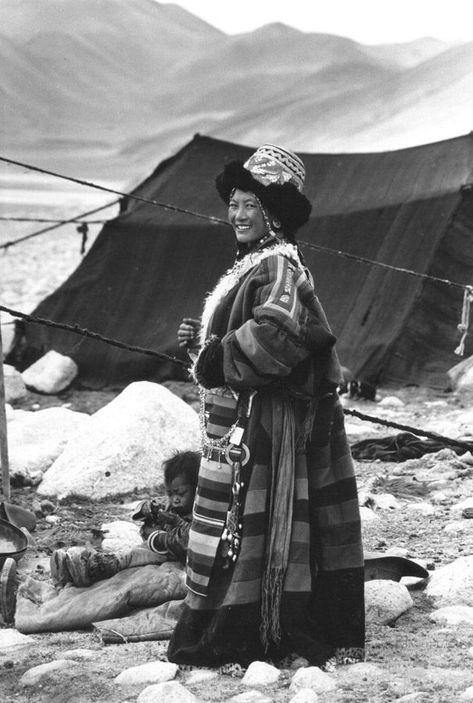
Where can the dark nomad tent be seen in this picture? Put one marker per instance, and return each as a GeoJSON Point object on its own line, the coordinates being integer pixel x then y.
{"type": "Point", "coordinates": [149, 267]}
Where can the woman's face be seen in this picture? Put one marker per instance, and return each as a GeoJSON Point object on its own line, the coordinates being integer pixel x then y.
{"type": "Point", "coordinates": [246, 217]}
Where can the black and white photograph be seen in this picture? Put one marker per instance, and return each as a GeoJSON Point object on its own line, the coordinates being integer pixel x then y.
{"type": "Point", "coordinates": [236, 389]}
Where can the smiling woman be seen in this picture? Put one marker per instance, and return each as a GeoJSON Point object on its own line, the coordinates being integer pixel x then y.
{"type": "Point", "coordinates": [275, 564]}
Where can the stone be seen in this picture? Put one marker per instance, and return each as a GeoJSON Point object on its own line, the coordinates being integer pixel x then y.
{"type": "Point", "coordinates": [452, 584]}
{"type": "Point", "coordinates": [151, 672]}
{"type": "Point", "coordinates": [467, 694]}
{"type": "Point", "coordinates": [453, 615]}
{"type": "Point", "coordinates": [51, 374]}
{"type": "Point", "coordinates": [305, 695]}
{"type": "Point", "coordinates": [415, 697]}
{"type": "Point", "coordinates": [391, 401]}
{"type": "Point", "coordinates": [200, 676]}
{"type": "Point", "coordinates": [455, 527]}
{"type": "Point", "coordinates": [260, 674]}
{"type": "Point", "coordinates": [12, 639]}
{"type": "Point", "coordinates": [386, 501]}
{"type": "Point", "coordinates": [368, 515]}
{"type": "Point", "coordinates": [397, 552]}
{"type": "Point", "coordinates": [37, 439]}
{"type": "Point", "coordinates": [80, 654]}
{"type": "Point", "coordinates": [169, 691]}
{"type": "Point", "coordinates": [123, 447]}
{"type": "Point", "coordinates": [8, 333]}
{"type": "Point", "coordinates": [461, 375]}
{"type": "Point", "coordinates": [120, 536]}
{"type": "Point", "coordinates": [385, 601]}
{"type": "Point", "coordinates": [15, 388]}
{"type": "Point", "coordinates": [314, 678]}
{"type": "Point", "coordinates": [251, 696]}
{"type": "Point", "coordinates": [39, 673]}
{"type": "Point", "coordinates": [421, 507]}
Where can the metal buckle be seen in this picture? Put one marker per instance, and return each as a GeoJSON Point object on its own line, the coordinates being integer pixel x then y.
{"type": "Point", "coordinates": [240, 454]}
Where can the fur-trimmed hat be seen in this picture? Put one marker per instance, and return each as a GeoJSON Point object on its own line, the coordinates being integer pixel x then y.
{"type": "Point", "coordinates": [276, 176]}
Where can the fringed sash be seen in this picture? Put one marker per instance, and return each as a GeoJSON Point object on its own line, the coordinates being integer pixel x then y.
{"type": "Point", "coordinates": [280, 518]}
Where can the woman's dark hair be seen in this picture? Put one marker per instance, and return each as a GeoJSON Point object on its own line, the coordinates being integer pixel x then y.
{"type": "Point", "coordinates": [182, 464]}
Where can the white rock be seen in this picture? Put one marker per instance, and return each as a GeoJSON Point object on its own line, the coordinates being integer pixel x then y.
{"type": "Point", "coordinates": [260, 674]}
{"type": "Point", "coordinates": [305, 695]}
{"type": "Point", "coordinates": [314, 678]}
{"type": "Point", "coordinates": [453, 615]}
{"type": "Point", "coordinates": [250, 697]}
{"type": "Point", "coordinates": [37, 674]}
{"type": "Point", "coordinates": [151, 672]}
{"type": "Point", "coordinates": [470, 652]}
{"type": "Point", "coordinates": [455, 527]}
{"type": "Point", "coordinates": [80, 654]}
{"type": "Point", "coordinates": [12, 639]}
{"type": "Point", "coordinates": [50, 374]}
{"type": "Point", "coordinates": [391, 401]}
{"type": "Point", "coordinates": [200, 675]}
{"type": "Point", "coordinates": [421, 507]}
{"type": "Point", "coordinates": [459, 507]}
{"type": "Point", "coordinates": [170, 691]}
{"type": "Point", "coordinates": [120, 536]}
{"type": "Point", "coordinates": [385, 601]}
{"type": "Point", "coordinates": [414, 697]}
{"type": "Point", "coordinates": [452, 584]}
{"type": "Point", "coordinates": [368, 515]}
{"type": "Point", "coordinates": [397, 552]}
{"type": "Point", "coordinates": [36, 439]}
{"type": "Point", "coordinates": [8, 334]}
{"type": "Point", "coordinates": [15, 388]}
{"type": "Point", "coordinates": [467, 694]}
{"type": "Point", "coordinates": [386, 501]}
{"type": "Point", "coordinates": [124, 445]}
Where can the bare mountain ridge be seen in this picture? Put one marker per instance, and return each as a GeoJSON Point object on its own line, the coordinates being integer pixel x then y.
{"type": "Point", "coordinates": [107, 89]}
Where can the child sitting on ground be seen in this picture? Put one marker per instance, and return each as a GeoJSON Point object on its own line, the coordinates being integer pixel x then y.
{"type": "Point", "coordinates": [164, 529]}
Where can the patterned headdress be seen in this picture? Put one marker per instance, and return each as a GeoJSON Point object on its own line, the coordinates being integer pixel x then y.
{"type": "Point", "coordinates": [273, 164]}
{"type": "Point", "coordinates": [276, 176]}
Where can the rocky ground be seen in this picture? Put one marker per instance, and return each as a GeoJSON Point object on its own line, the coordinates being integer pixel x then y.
{"type": "Point", "coordinates": [411, 659]}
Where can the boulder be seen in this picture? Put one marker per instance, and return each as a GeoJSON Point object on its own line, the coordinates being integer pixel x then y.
{"type": "Point", "coordinates": [452, 584]}
{"type": "Point", "coordinates": [38, 674]}
{"type": "Point", "coordinates": [51, 374]}
{"type": "Point", "coordinates": [260, 674]}
{"type": "Point", "coordinates": [169, 691]}
{"type": "Point", "coordinates": [461, 375]}
{"type": "Point", "coordinates": [314, 678]}
{"type": "Point", "coordinates": [36, 439]}
{"type": "Point", "coordinates": [385, 601]}
{"type": "Point", "coordinates": [453, 615]}
{"type": "Point", "coordinates": [15, 388]}
{"type": "Point", "coordinates": [151, 672]}
{"type": "Point", "coordinates": [122, 448]}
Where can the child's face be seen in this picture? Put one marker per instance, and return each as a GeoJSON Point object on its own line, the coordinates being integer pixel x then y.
{"type": "Point", "coordinates": [180, 495]}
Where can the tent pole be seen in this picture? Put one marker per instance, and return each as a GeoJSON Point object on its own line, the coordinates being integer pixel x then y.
{"type": "Point", "coordinates": [3, 430]}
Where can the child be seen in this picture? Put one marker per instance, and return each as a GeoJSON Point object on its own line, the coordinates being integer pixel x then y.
{"type": "Point", "coordinates": [165, 531]}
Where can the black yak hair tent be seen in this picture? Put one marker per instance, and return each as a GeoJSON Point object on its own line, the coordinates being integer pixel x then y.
{"type": "Point", "coordinates": [149, 267]}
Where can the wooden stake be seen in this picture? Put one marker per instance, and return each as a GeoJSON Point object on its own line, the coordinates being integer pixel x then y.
{"type": "Point", "coordinates": [3, 430]}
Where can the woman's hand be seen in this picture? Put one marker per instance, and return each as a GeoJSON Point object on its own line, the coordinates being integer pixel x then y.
{"type": "Point", "coordinates": [188, 332]}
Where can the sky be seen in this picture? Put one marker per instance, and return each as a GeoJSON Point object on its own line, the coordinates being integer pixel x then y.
{"type": "Point", "coordinates": [365, 21]}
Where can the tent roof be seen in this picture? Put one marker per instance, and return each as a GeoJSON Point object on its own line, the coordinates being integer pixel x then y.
{"type": "Point", "coordinates": [150, 266]}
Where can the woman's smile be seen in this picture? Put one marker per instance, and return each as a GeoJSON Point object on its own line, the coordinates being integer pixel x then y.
{"type": "Point", "coordinates": [246, 217]}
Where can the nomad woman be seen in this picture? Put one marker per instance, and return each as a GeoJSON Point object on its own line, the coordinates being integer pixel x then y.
{"type": "Point", "coordinates": [275, 561]}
